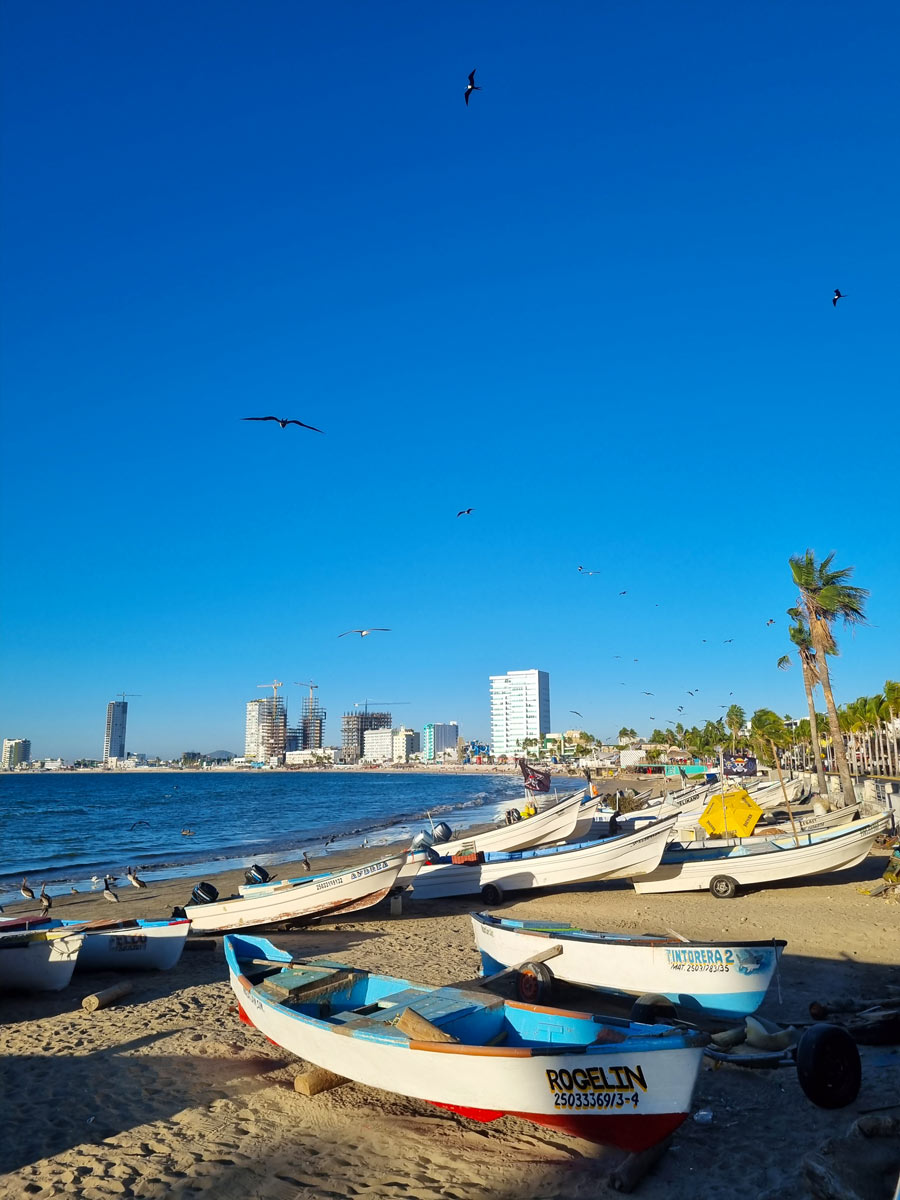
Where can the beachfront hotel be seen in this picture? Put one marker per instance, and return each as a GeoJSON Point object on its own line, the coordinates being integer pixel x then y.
{"type": "Point", "coordinates": [16, 751]}
{"type": "Point", "coordinates": [520, 709]}
{"type": "Point", "coordinates": [265, 735]}
{"type": "Point", "coordinates": [114, 739]}
{"type": "Point", "coordinates": [437, 737]}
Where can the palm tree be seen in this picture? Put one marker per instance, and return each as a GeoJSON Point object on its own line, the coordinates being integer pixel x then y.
{"type": "Point", "coordinates": [768, 730]}
{"type": "Point", "coordinates": [892, 700]}
{"type": "Point", "coordinates": [799, 635]}
{"type": "Point", "coordinates": [826, 595]}
{"type": "Point", "coordinates": [735, 719]}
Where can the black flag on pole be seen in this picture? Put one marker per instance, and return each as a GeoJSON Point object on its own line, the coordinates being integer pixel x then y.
{"type": "Point", "coordinates": [535, 781]}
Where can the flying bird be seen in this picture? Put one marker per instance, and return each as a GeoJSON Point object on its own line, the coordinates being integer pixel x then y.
{"type": "Point", "coordinates": [464, 512]}
{"type": "Point", "coordinates": [646, 693]}
{"type": "Point", "coordinates": [625, 593]}
{"type": "Point", "coordinates": [838, 295]}
{"type": "Point", "coordinates": [771, 621]}
{"type": "Point", "coordinates": [364, 632]}
{"type": "Point", "coordinates": [473, 87]}
{"type": "Point", "coordinates": [284, 422]}
{"type": "Point", "coordinates": [582, 571]}
{"type": "Point", "coordinates": [617, 656]}
{"type": "Point", "coordinates": [690, 693]}
{"type": "Point", "coordinates": [136, 823]}
{"type": "Point", "coordinates": [727, 640]}
{"type": "Point", "coordinates": [26, 890]}
{"type": "Point", "coordinates": [680, 708]}
{"type": "Point", "coordinates": [577, 713]}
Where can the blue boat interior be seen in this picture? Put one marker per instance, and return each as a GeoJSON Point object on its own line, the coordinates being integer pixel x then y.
{"type": "Point", "coordinates": [360, 1004]}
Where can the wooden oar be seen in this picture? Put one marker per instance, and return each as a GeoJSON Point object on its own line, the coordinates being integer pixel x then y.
{"type": "Point", "coordinates": [543, 956]}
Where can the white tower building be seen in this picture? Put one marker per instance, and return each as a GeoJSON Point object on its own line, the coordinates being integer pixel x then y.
{"type": "Point", "coordinates": [520, 709]}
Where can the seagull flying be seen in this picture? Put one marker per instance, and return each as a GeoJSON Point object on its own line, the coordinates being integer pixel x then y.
{"type": "Point", "coordinates": [464, 512]}
{"type": "Point", "coordinates": [284, 422]}
{"type": "Point", "coordinates": [582, 571]}
{"type": "Point", "coordinates": [838, 295]}
{"type": "Point", "coordinates": [625, 593]}
{"type": "Point", "coordinates": [473, 87]}
{"type": "Point", "coordinates": [727, 640]}
{"type": "Point", "coordinates": [771, 621]}
{"type": "Point", "coordinates": [364, 632]}
{"type": "Point", "coordinates": [646, 693]}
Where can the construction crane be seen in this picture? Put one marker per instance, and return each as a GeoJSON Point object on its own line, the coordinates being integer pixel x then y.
{"type": "Point", "coordinates": [364, 704]}
{"type": "Point", "coordinates": [312, 687]}
{"type": "Point", "coordinates": [274, 685]}
{"type": "Point", "coordinates": [124, 694]}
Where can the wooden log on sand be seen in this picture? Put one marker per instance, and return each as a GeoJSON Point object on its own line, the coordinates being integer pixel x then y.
{"type": "Point", "coordinates": [316, 1079]}
{"type": "Point", "coordinates": [418, 1029]}
{"type": "Point", "coordinates": [633, 1169]}
{"type": "Point", "coordinates": [108, 996]}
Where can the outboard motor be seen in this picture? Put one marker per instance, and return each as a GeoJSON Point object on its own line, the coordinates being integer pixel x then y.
{"type": "Point", "coordinates": [513, 815]}
{"type": "Point", "coordinates": [178, 914]}
{"type": "Point", "coordinates": [422, 840]}
{"type": "Point", "coordinates": [204, 893]}
{"type": "Point", "coordinates": [442, 832]}
{"type": "Point", "coordinates": [256, 874]}
{"type": "Point", "coordinates": [431, 855]}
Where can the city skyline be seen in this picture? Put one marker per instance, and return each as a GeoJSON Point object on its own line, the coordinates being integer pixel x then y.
{"type": "Point", "coordinates": [688, 411]}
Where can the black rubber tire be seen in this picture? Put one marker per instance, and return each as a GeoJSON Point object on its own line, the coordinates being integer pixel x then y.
{"type": "Point", "coordinates": [653, 1009]}
{"type": "Point", "coordinates": [534, 983]}
{"type": "Point", "coordinates": [492, 893]}
{"type": "Point", "coordinates": [828, 1066]}
{"type": "Point", "coordinates": [723, 887]}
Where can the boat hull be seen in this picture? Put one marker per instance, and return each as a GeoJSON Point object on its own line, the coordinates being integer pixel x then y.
{"type": "Point", "coordinates": [38, 961]}
{"type": "Point", "coordinates": [629, 1093]}
{"type": "Point", "coordinates": [549, 825]}
{"type": "Point", "coordinates": [612, 858]}
{"type": "Point", "coordinates": [774, 861]}
{"type": "Point", "coordinates": [150, 946]}
{"type": "Point", "coordinates": [718, 979]}
{"type": "Point", "coordinates": [358, 887]}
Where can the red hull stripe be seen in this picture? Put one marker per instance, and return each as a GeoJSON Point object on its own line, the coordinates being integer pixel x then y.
{"type": "Point", "coordinates": [628, 1131]}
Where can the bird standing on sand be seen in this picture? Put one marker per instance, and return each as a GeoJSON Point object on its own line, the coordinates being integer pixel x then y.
{"type": "Point", "coordinates": [74, 890]}
{"type": "Point", "coordinates": [46, 901]}
{"type": "Point", "coordinates": [364, 632]}
{"type": "Point", "coordinates": [26, 890]}
{"type": "Point", "coordinates": [284, 422]}
{"type": "Point", "coordinates": [465, 512]}
{"type": "Point", "coordinates": [472, 87]}
{"type": "Point", "coordinates": [306, 861]}
{"type": "Point", "coordinates": [838, 295]}
{"type": "Point", "coordinates": [131, 876]}
{"type": "Point", "coordinates": [108, 893]}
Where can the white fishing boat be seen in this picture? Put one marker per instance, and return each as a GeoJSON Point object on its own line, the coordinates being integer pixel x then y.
{"type": "Point", "coordinates": [118, 945]}
{"type": "Point", "coordinates": [721, 979]}
{"type": "Point", "coordinates": [495, 874]}
{"type": "Point", "coordinates": [552, 824]}
{"type": "Point", "coordinates": [414, 860]}
{"type": "Point", "coordinates": [39, 960]}
{"type": "Point", "coordinates": [461, 1048]}
{"type": "Point", "coordinates": [290, 903]}
{"type": "Point", "coordinates": [756, 860]}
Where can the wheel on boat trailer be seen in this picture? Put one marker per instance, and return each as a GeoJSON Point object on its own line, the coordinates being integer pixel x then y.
{"type": "Point", "coordinates": [534, 983]}
{"type": "Point", "coordinates": [492, 893]}
{"type": "Point", "coordinates": [828, 1066]}
{"type": "Point", "coordinates": [723, 887]}
{"type": "Point", "coordinates": [653, 1009]}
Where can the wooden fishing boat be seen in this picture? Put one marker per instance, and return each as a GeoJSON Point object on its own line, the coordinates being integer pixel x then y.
{"type": "Point", "coordinates": [342, 891]}
{"type": "Point", "coordinates": [552, 824]}
{"type": "Point", "coordinates": [39, 960]}
{"type": "Point", "coordinates": [610, 1081]}
{"type": "Point", "coordinates": [718, 979]}
{"type": "Point", "coordinates": [549, 866]}
{"type": "Point", "coordinates": [754, 861]}
{"type": "Point", "coordinates": [118, 945]}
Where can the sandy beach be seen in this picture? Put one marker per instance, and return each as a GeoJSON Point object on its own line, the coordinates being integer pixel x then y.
{"type": "Point", "coordinates": [167, 1094]}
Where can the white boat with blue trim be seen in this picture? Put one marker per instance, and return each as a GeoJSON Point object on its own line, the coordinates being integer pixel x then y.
{"type": "Point", "coordinates": [124, 945]}
{"type": "Point", "coordinates": [718, 979]}
{"type": "Point", "coordinates": [39, 960]}
{"type": "Point", "coordinates": [620, 857]}
{"type": "Point", "coordinates": [611, 1081]}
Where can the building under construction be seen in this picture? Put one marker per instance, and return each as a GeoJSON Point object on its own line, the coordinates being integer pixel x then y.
{"type": "Point", "coordinates": [266, 736]}
{"type": "Point", "coordinates": [354, 726]}
{"type": "Point", "coordinates": [312, 724]}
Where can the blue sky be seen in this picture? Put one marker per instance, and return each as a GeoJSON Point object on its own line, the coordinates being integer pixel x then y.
{"type": "Point", "coordinates": [595, 306]}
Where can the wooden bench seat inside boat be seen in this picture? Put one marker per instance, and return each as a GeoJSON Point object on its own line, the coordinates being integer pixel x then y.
{"type": "Point", "coordinates": [301, 984]}
{"type": "Point", "coordinates": [437, 1007]}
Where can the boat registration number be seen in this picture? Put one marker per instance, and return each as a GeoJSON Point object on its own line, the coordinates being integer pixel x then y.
{"type": "Point", "coordinates": [594, 1099]}
{"type": "Point", "coordinates": [721, 968]}
{"type": "Point", "coordinates": [597, 1087]}
{"type": "Point", "coordinates": [129, 941]}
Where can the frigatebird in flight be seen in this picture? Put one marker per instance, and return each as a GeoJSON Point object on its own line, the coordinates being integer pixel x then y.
{"type": "Point", "coordinates": [838, 295]}
{"type": "Point", "coordinates": [285, 421]}
{"type": "Point", "coordinates": [577, 714]}
{"type": "Point", "coordinates": [464, 512]}
{"type": "Point", "coordinates": [473, 87]}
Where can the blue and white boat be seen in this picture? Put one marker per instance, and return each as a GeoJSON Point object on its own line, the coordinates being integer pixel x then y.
{"type": "Point", "coordinates": [462, 1048]}
{"type": "Point", "coordinates": [718, 979]}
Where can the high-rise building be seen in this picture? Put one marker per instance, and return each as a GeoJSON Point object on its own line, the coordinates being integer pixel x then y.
{"type": "Point", "coordinates": [353, 729]}
{"type": "Point", "coordinates": [116, 720]}
{"type": "Point", "coordinates": [520, 709]}
{"type": "Point", "coordinates": [437, 737]}
{"type": "Point", "coordinates": [312, 723]}
{"type": "Point", "coordinates": [15, 751]}
{"type": "Point", "coordinates": [266, 730]}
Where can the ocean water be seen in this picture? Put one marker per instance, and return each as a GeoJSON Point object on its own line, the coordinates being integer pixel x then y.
{"type": "Point", "coordinates": [64, 828]}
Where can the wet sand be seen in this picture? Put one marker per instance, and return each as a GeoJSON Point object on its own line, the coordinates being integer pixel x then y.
{"type": "Point", "coordinates": [167, 1094]}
